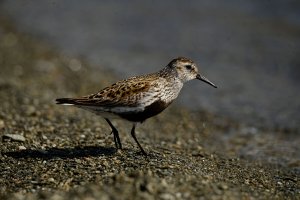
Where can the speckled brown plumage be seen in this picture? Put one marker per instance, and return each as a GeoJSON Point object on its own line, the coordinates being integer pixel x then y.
{"type": "Point", "coordinates": [138, 98]}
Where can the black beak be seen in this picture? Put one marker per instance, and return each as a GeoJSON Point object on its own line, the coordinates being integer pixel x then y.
{"type": "Point", "coordinates": [202, 78]}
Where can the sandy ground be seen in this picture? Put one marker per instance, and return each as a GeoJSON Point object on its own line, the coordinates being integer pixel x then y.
{"type": "Point", "coordinates": [66, 153]}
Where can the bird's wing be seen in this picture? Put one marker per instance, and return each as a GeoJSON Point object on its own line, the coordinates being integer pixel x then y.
{"type": "Point", "coordinates": [125, 95]}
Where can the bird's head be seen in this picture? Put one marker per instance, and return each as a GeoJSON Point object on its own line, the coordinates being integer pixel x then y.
{"type": "Point", "coordinates": [187, 70]}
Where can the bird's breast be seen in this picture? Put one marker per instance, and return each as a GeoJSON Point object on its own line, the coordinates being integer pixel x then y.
{"type": "Point", "coordinates": [170, 91]}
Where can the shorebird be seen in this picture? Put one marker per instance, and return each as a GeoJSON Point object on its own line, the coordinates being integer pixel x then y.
{"type": "Point", "coordinates": [140, 97]}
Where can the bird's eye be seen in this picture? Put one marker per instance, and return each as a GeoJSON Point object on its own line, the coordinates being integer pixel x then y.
{"type": "Point", "coordinates": [188, 67]}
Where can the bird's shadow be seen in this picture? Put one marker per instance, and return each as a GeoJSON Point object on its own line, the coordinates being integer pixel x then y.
{"type": "Point", "coordinates": [52, 153]}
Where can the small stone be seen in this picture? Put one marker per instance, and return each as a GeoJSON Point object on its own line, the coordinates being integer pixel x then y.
{"type": "Point", "coordinates": [30, 110]}
{"type": "Point", "coordinates": [82, 136]}
{"type": "Point", "coordinates": [51, 180]}
{"type": "Point", "coordinates": [178, 195]}
{"type": "Point", "coordinates": [279, 183]}
{"type": "Point", "coordinates": [105, 163]}
{"type": "Point", "coordinates": [164, 183]}
{"type": "Point", "coordinates": [223, 186]}
{"type": "Point", "coordinates": [22, 148]}
{"type": "Point", "coordinates": [150, 188]}
{"type": "Point", "coordinates": [13, 137]}
{"type": "Point", "coordinates": [2, 124]}
{"type": "Point", "coordinates": [167, 196]}
{"type": "Point", "coordinates": [78, 161]}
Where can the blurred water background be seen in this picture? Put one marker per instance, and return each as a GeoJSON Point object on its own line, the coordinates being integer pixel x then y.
{"type": "Point", "coordinates": [250, 49]}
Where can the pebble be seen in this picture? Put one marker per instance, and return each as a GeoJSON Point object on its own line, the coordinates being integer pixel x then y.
{"type": "Point", "coordinates": [51, 180]}
{"type": "Point", "coordinates": [22, 148]}
{"type": "Point", "coordinates": [151, 188]}
{"type": "Point", "coordinates": [30, 110]}
{"type": "Point", "coordinates": [13, 137]}
{"type": "Point", "coordinates": [166, 196]}
{"type": "Point", "coordinates": [2, 124]}
{"type": "Point", "coordinates": [279, 183]}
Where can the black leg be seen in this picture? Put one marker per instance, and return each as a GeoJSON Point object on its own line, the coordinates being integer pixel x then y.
{"type": "Point", "coordinates": [116, 135]}
{"type": "Point", "coordinates": [133, 135]}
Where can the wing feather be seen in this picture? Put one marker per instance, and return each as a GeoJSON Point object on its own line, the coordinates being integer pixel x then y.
{"type": "Point", "coordinates": [124, 94]}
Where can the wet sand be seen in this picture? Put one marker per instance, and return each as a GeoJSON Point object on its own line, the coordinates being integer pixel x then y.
{"type": "Point", "coordinates": [70, 153]}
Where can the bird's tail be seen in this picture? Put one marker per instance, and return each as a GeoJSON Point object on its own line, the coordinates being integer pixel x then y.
{"type": "Point", "coordinates": [66, 101]}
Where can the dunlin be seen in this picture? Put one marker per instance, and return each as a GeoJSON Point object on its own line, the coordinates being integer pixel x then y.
{"type": "Point", "coordinates": [140, 97]}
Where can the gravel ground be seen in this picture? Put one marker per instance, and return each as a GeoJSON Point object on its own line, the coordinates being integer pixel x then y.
{"type": "Point", "coordinates": [53, 152]}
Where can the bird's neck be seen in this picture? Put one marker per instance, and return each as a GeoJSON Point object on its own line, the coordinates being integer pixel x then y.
{"type": "Point", "coordinates": [167, 72]}
{"type": "Point", "coordinates": [172, 91]}
{"type": "Point", "coordinates": [171, 84]}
